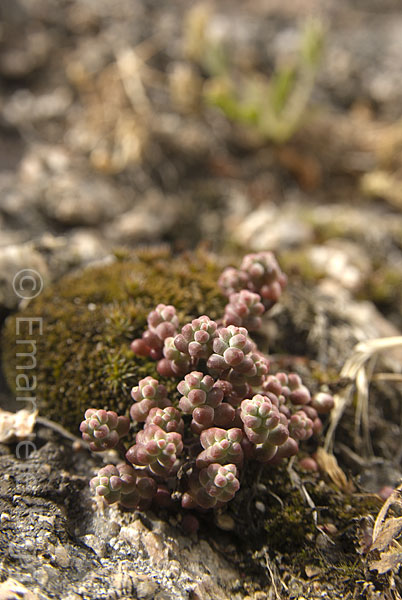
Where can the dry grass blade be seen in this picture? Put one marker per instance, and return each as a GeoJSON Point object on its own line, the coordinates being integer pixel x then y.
{"type": "Point", "coordinates": [388, 561]}
{"type": "Point", "coordinates": [297, 482]}
{"type": "Point", "coordinates": [329, 465]}
{"type": "Point", "coordinates": [394, 498]}
{"type": "Point", "coordinates": [390, 529]}
{"type": "Point", "coordinates": [359, 370]}
{"type": "Point", "coordinates": [385, 533]}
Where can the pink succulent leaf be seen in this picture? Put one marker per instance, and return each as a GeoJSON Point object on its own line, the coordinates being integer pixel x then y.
{"type": "Point", "coordinates": [179, 361]}
{"type": "Point", "coordinates": [300, 426]}
{"type": "Point", "coordinates": [163, 321]}
{"type": "Point", "coordinates": [118, 483]}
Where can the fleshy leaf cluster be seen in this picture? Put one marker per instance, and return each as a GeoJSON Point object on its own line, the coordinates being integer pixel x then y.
{"type": "Point", "coordinates": [230, 410]}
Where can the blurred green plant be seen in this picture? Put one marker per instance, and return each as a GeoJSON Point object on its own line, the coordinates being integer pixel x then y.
{"type": "Point", "coordinates": [274, 107]}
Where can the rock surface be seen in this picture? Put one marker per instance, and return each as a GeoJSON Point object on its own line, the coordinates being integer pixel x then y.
{"type": "Point", "coordinates": [55, 543]}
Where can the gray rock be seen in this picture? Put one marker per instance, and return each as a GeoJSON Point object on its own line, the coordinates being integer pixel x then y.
{"type": "Point", "coordinates": [341, 260]}
{"type": "Point", "coordinates": [44, 260]}
{"type": "Point", "coordinates": [326, 324]}
{"type": "Point", "coordinates": [56, 544]}
{"type": "Point", "coordinates": [73, 199]}
{"type": "Point", "coordinates": [148, 221]}
{"type": "Point", "coordinates": [23, 273]}
{"type": "Point", "coordinates": [79, 248]}
{"type": "Point", "coordinates": [13, 590]}
{"type": "Point", "coordinates": [24, 107]}
{"type": "Point", "coordinates": [270, 227]}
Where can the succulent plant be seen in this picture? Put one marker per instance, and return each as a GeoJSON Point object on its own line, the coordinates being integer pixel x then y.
{"type": "Point", "coordinates": [169, 419]}
{"type": "Point", "coordinates": [162, 323]}
{"type": "Point", "coordinates": [194, 445]}
{"type": "Point", "coordinates": [244, 310]}
{"type": "Point", "coordinates": [287, 386]}
{"type": "Point", "coordinates": [262, 420]}
{"type": "Point", "coordinates": [156, 449]}
{"type": "Point", "coordinates": [264, 276]}
{"type": "Point", "coordinates": [259, 273]}
{"type": "Point", "coordinates": [220, 446]}
{"type": "Point", "coordinates": [123, 484]}
{"type": "Point", "coordinates": [300, 426]}
{"type": "Point", "coordinates": [322, 402]}
{"type": "Point", "coordinates": [196, 337]}
{"type": "Point", "coordinates": [212, 486]}
{"type": "Point", "coordinates": [224, 415]}
{"type": "Point", "coordinates": [254, 368]}
{"type": "Point", "coordinates": [232, 280]}
{"type": "Point", "coordinates": [175, 362]}
{"type": "Point", "coordinates": [230, 348]}
{"type": "Point", "coordinates": [197, 390]}
{"type": "Point", "coordinates": [200, 399]}
{"type": "Point", "coordinates": [148, 394]}
{"type": "Point", "coordinates": [103, 429]}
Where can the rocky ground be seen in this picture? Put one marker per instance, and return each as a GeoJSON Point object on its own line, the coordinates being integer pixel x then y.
{"type": "Point", "coordinates": [106, 144]}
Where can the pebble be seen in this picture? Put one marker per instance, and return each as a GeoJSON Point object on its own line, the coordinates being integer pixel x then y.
{"type": "Point", "coordinates": [81, 199]}
{"type": "Point", "coordinates": [4, 517]}
{"type": "Point", "coordinates": [11, 589]}
{"type": "Point", "coordinates": [97, 545]}
{"type": "Point", "coordinates": [62, 557]}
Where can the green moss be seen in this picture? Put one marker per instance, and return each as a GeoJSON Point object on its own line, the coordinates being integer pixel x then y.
{"type": "Point", "coordinates": [287, 527]}
{"type": "Point", "coordinates": [384, 288]}
{"type": "Point", "coordinates": [298, 263]}
{"type": "Point", "coordinates": [89, 319]}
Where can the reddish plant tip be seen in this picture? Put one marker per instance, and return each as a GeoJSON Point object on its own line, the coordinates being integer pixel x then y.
{"type": "Point", "coordinates": [140, 347]}
{"type": "Point", "coordinates": [190, 524]}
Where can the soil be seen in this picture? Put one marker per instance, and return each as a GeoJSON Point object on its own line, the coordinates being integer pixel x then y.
{"type": "Point", "coordinates": [107, 144]}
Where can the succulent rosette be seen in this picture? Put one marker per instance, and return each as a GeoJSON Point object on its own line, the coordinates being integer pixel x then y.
{"type": "Point", "coordinates": [103, 429]}
{"type": "Point", "coordinates": [156, 449]}
{"type": "Point", "coordinates": [300, 426]}
{"type": "Point", "coordinates": [262, 420]}
{"type": "Point", "coordinates": [122, 483]}
{"type": "Point", "coordinates": [232, 280]}
{"type": "Point", "coordinates": [265, 276]}
{"type": "Point", "coordinates": [162, 323]}
{"type": "Point", "coordinates": [197, 390]}
{"type": "Point", "coordinates": [287, 386]}
{"type": "Point", "coordinates": [196, 337]}
{"type": "Point", "coordinates": [212, 486]}
{"type": "Point", "coordinates": [200, 398]}
{"type": "Point", "coordinates": [169, 419]}
{"type": "Point", "coordinates": [230, 349]}
{"type": "Point", "coordinates": [148, 394]}
{"type": "Point", "coordinates": [244, 310]}
{"type": "Point", "coordinates": [175, 363]}
{"type": "Point", "coordinates": [220, 446]}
